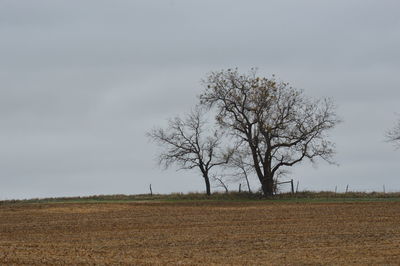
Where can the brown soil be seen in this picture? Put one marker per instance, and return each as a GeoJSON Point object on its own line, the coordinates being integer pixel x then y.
{"type": "Point", "coordinates": [200, 233]}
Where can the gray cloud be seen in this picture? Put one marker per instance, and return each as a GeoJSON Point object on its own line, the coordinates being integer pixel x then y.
{"type": "Point", "coordinates": [83, 82]}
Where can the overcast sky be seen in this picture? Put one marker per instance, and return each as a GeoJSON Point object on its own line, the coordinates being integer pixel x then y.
{"type": "Point", "coordinates": [82, 82]}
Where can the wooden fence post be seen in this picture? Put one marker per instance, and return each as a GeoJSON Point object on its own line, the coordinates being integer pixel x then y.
{"type": "Point", "coordinates": [151, 191]}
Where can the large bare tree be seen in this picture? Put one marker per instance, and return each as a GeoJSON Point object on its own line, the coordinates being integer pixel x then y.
{"type": "Point", "coordinates": [393, 135]}
{"type": "Point", "coordinates": [277, 124]}
{"type": "Point", "coordinates": [189, 144]}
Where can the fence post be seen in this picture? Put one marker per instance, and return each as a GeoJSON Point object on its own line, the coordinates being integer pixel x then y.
{"type": "Point", "coordinates": [347, 188]}
{"type": "Point", "coordinates": [151, 191]}
{"type": "Point", "coordinates": [240, 188]}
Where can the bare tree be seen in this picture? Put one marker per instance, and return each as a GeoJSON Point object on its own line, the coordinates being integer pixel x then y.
{"type": "Point", "coordinates": [277, 123]}
{"type": "Point", "coordinates": [220, 182]}
{"type": "Point", "coordinates": [187, 145]}
{"type": "Point", "coordinates": [242, 168]}
{"type": "Point", "coordinates": [393, 135]}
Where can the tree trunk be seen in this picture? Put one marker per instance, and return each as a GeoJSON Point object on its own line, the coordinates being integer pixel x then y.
{"type": "Point", "coordinates": [208, 187]}
{"type": "Point", "coordinates": [268, 186]}
{"type": "Point", "coordinates": [248, 184]}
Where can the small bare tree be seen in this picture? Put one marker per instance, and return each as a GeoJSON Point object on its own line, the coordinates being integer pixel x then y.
{"type": "Point", "coordinates": [274, 121]}
{"type": "Point", "coordinates": [186, 144]}
{"type": "Point", "coordinates": [242, 168]}
{"type": "Point", "coordinates": [393, 135]}
{"type": "Point", "coordinates": [220, 182]}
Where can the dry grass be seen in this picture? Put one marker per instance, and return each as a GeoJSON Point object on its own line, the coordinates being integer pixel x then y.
{"type": "Point", "coordinates": [241, 233]}
{"type": "Point", "coordinates": [217, 196]}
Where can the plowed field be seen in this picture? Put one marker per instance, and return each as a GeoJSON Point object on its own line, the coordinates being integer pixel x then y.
{"type": "Point", "coordinates": [200, 233]}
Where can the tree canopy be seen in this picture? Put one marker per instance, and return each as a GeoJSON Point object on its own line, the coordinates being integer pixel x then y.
{"type": "Point", "coordinates": [277, 123]}
{"type": "Point", "coordinates": [393, 135]}
{"type": "Point", "coordinates": [263, 126]}
{"type": "Point", "coordinates": [188, 144]}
